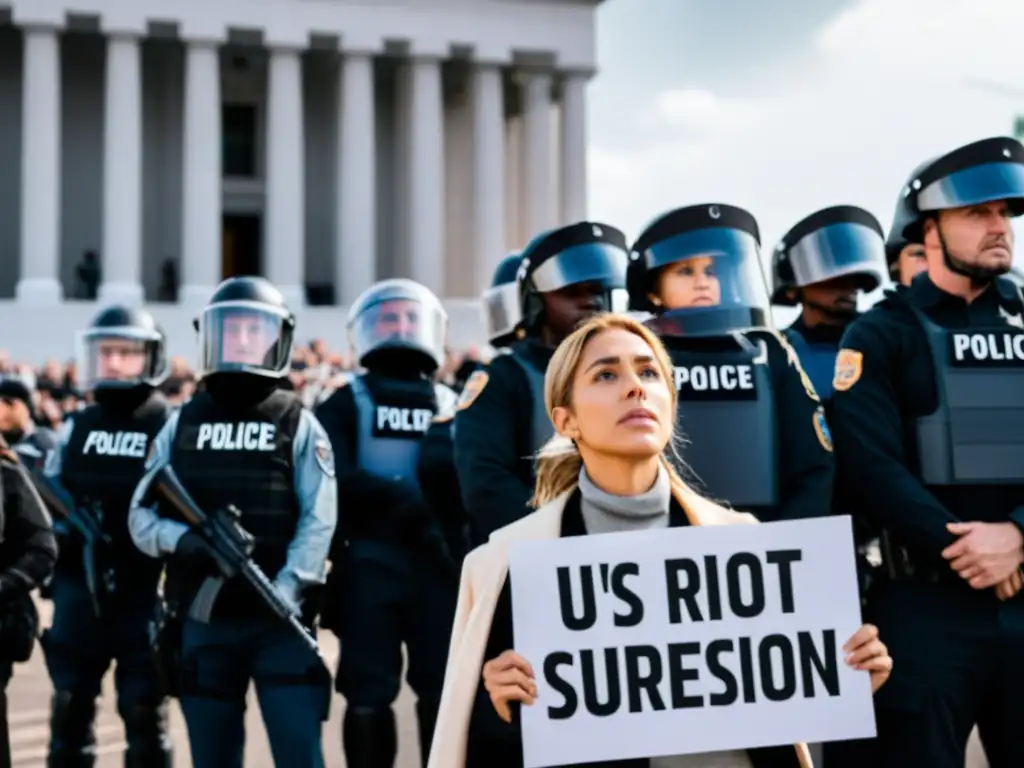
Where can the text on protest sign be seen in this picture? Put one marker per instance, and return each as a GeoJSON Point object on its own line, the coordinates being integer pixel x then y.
{"type": "Point", "coordinates": [689, 640]}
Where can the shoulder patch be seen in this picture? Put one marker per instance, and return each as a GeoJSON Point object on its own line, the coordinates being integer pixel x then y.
{"type": "Point", "coordinates": [474, 386]}
{"type": "Point", "coordinates": [794, 360]}
{"type": "Point", "coordinates": [849, 367]}
{"type": "Point", "coordinates": [821, 429]}
{"type": "Point", "coordinates": [324, 455]}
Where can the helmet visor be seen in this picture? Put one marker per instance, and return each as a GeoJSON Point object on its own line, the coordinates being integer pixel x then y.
{"type": "Point", "coordinates": [398, 323]}
{"type": "Point", "coordinates": [589, 263]}
{"type": "Point", "coordinates": [244, 337]}
{"type": "Point", "coordinates": [844, 248]}
{"type": "Point", "coordinates": [501, 311]}
{"type": "Point", "coordinates": [972, 186]}
{"type": "Point", "coordinates": [119, 357]}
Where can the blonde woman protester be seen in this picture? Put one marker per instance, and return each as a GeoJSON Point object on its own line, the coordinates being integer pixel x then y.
{"type": "Point", "coordinates": [608, 392]}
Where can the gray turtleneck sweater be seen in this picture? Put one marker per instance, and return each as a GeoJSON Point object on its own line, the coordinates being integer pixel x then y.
{"type": "Point", "coordinates": [604, 512]}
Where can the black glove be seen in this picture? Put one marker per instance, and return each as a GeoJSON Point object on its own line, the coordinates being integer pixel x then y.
{"type": "Point", "coordinates": [196, 555]}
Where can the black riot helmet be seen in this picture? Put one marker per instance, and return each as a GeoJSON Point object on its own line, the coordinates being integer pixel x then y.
{"type": "Point", "coordinates": [724, 243]}
{"type": "Point", "coordinates": [982, 172]}
{"type": "Point", "coordinates": [841, 241]}
{"type": "Point", "coordinates": [122, 348]}
{"type": "Point", "coordinates": [398, 323]}
{"type": "Point", "coordinates": [245, 328]}
{"type": "Point", "coordinates": [896, 241]}
{"type": "Point", "coordinates": [585, 252]}
{"type": "Point", "coordinates": [500, 303]}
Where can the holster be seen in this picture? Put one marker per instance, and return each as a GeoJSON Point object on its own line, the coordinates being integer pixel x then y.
{"type": "Point", "coordinates": [165, 636]}
{"type": "Point", "coordinates": [19, 626]}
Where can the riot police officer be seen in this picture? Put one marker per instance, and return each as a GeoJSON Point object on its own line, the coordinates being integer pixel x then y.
{"type": "Point", "coordinates": [395, 583]}
{"type": "Point", "coordinates": [242, 441]}
{"type": "Point", "coordinates": [18, 427]}
{"type": "Point", "coordinates": [566, 275]}
{"type": "Point", "coordinates": [905, 258]}
{"type": "Point", "coordinates": [929, 392]}
{"type": "Point", "coordinates": [502, 315]}
{"type": "Point", "coordinates": [822, 263]}
{"type": "Point", "coordinates": [755, 432]}
{"type": "Point", "coordinates": [105, 594]}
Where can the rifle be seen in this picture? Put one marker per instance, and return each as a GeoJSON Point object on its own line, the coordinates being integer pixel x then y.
{"type": "Point", "coordinates": [231, 547]}
{"type": "Point", "coordinates": [63, 507]}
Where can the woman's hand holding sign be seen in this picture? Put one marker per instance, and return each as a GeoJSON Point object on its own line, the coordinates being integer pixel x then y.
{"type": "Point", "coordinates": [507, 678]}
{"type": "Point", "coordinates": [865, 651]}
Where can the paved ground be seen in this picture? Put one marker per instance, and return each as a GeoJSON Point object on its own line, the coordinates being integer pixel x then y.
{"type": "Point", "coordinates": [29, 696]}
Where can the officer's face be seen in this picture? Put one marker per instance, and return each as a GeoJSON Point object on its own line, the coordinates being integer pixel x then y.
{"type": "Point", "coordinates": [246, 339]}
{"type": "Point", "coordinates": [980, 237]}
{"type": "Point", "coordinates": [690, 283]}
{"type": "Point", "coordinates": [911, 262]}
{"type": "Point", "coordinates": [837, 296]}
{"type": "Point", "coordinates": [13, 414]}
{"type": "Point", "coordinates": [398, 319]}
{"type": "Point", "coordinates": [621, 402]}
{"type": "Point", "coordinates": [120, 360]}
{"type": "Point", "coordinates": [567, 307]}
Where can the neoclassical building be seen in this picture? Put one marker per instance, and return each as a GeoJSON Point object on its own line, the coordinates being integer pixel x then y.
{"type": "Point", "coordinates": [321, 143]}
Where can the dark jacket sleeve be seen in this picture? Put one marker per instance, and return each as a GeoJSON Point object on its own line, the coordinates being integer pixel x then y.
{"type": "Point", "coordinates": [489, 454]}
{"type": "Point", "coordinates": [869, 435]}
{"type": "Point", "coordinates": [30, 549]}
{"type": "Point", "coordinates": [806, 461]}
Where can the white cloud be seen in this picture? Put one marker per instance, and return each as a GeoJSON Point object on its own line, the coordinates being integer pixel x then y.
{"type": "Point", "coordinates": [891, 82]}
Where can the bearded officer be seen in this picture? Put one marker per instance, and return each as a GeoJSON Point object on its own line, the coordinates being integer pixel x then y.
{"type": "Point", "coordinates": [928, 402]}
{"type": "Point", "coordinates": [823, 263]}
{"type": "Point", "coordinates": [906, 258]}
{"type": "Point", "coordinates": [105, 597]}
{"type": "Point", "coordinates": [744, 400]}
{"type": "Point", "coordinates": [243, 441]}
{"type": "Point", "coordinates": [396, 582]}
{"type": "Point", "coordinates": [566, 276]}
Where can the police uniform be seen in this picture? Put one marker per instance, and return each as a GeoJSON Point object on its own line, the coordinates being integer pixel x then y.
{"type": "Point", "coordinates": [501, 420]}
{"type": "Point", "coordinates": [394, 581]}
{"type": "Point", "coordinates": [929, 394]}
{"type": "Point", "coordinates": [753, 430]}
{"type": "Point", "coordinates": [28, 551]}
{"type": "Point", "coordinates": [245, 442]}
{"type": "Point", "coordinates": [104, 601]}
{"type": "Point", "coordinates": [841, 241]}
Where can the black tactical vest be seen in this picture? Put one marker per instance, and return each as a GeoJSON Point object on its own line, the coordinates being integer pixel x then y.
{"type": "Point", "coordinates": [244, 457]}
{"type": "Point", "coordinates": [103, 461]}
{"type": "Point", "coordinates": [727, 418]}
{"type": "Point", "coordinates": [541, 428]}
{"type": "Point", "coordinates": [976, 435]}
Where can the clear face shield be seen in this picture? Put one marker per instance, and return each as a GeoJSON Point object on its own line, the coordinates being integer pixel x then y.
{"type": "Point", "coordinates": [593, 263]}
{"type": "Point", "coordinates": [407, 320]}
{"type": "Point", "coordinates": [972, 186]}
{"type": "Point", "coordinates": [245, 337]}
{"type": "Point", "coordinates": [710, 282]}
{"type": "Point", "coordinates": [501, 311]}
{"type": "Point", "coordinates": [837, 250]}
{"type": "Point", "coordinates": [114, 358]}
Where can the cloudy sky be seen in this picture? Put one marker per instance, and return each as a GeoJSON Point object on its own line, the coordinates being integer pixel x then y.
{"type": "Point", "coordinates": [790, 106]}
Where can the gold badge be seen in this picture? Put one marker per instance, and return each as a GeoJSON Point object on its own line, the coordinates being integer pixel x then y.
{"type": "Point", "coordinates": [849, 367]}
{"type": "Point", "coordinates": [821, 429]}
{"type": "Point", "coordinates": [474, 386]}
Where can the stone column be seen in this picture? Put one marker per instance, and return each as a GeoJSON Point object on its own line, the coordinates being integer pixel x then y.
{"type": "Point", "coordinates": [201, 182]}
{"type": "Point", "coordinates": [39, 281]}
{"type": "Point", "coordinates": [426, 174]}
{"type": "Point", "coordinates": [122, 174]}
{"type": "Point", "coordinates": [285, 249]}
{"type": "Point", "coordinates": [488, 170]}
{"type": "Point", "coordinates": [537, 199]}
{"type": "Point", "coordinates": [573, 153]}
{"type": "Point", "coordinates": [356, 255]}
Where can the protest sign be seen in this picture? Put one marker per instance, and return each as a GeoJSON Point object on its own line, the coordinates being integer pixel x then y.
{"type": "Point", "coordinates": [689, 640]}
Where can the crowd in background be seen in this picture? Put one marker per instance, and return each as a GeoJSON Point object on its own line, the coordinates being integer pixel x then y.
{"type": "Point", "coordinates": [316, 372]}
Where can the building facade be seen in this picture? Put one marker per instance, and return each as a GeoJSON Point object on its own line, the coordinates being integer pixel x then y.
{"type": "Point", "coordinates": [321, 143]}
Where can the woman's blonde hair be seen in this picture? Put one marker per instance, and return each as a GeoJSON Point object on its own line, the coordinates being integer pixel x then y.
{"type": "Point", "coordinates": [559, 461]}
